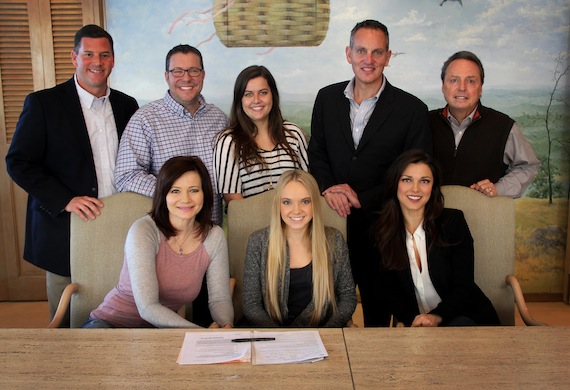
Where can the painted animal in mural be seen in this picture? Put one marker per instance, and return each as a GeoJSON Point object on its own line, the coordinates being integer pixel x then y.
{"type": "Point", "coordinates": [445, 1]}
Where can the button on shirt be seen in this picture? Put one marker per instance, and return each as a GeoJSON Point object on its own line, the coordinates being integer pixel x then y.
{"type": "Point", "coordinates": [360, 113]}
{"type": "Point", "coordinates": [459, 128]}
{"type": "Point", "coordinates": [102, 129]}
{"type": "Point", "coordinates": [426, 295]}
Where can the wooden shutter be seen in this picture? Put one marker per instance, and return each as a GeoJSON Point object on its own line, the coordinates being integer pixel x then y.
{"type": "Point", "coordinates": [36, 39]}
{"type": "Point", "coordinates": [67, 18]}
{"type": "Point", "coordinates": [15, 61]}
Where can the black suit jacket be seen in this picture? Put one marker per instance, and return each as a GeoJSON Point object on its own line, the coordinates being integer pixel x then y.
{"type": "Point", "coordinates": [399, 122]}
{"type": "Point", "coordinates": [451, 269]}
{"type": "Point", "coordinates": [50, 157]}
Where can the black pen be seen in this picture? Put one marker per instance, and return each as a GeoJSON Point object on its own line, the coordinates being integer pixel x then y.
{"type": "Point", "coordinates": [252, 339]}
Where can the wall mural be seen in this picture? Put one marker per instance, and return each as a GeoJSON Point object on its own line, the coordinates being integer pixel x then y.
{"type": "Point", "coordinates": [523, 45]}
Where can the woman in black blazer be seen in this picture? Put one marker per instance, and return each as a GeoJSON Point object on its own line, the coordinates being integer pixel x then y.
{"type": "Point", "coordinates": [427, 250]}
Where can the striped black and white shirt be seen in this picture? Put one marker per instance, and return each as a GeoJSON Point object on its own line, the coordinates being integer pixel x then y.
{"type": "Point", "coordinates": [232, 175]}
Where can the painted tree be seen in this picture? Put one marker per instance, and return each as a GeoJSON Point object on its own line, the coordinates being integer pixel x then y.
{"type": "Point", "coordinates": [561, 69]}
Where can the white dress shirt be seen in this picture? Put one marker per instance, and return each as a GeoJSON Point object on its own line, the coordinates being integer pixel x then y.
{"type": "Point", "coordinates": [360, 113]}
{"type": "Point", "coordinates": [426, 295]}
{"type": "Point", "coordinates": [102, 129]}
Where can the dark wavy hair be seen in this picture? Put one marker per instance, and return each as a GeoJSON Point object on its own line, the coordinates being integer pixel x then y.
{"type": "Point", "coordinates": [389, 231]}
{"type": "Point", "coordinates": [242, 128]}
{"type": "Point", "coordinates": [463, 55]}
{"type": "Point", "coordinates": [171, 171]}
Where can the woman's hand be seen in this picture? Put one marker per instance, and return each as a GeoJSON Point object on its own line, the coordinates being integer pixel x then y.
{"type": "Point", "coordinates": [426, 320]}
{"type": "Point", "coordinates": [215, 325]}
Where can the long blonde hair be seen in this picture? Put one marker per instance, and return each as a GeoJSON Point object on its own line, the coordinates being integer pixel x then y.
{"type": "Point", "coordinates": [323, 285]}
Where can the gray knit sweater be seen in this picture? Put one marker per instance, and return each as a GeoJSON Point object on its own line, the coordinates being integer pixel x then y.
{"type": "Point", "coordinates": [254, 284]}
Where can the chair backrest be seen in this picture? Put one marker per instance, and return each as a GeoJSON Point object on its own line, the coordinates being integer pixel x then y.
{"type": "Point", "coordinates": [491, 221]}
{"type": "Point", "coordinates": [248, 215]}
{"type": "Point", "coordinates": [97, 250]}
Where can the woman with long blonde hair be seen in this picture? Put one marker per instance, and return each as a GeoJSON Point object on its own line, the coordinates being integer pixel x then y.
{"type": "Point", "coordinates": [297, 271]}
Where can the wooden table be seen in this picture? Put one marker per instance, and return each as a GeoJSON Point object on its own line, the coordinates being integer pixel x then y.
{"type": "Point", "coordinates": [146, 358]}
{"type": "Point", "coordinates": [460, 358]}
{"type": "Point", "coordinates": [365, 358]}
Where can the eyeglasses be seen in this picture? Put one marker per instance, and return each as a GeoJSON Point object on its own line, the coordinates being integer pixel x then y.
{"type": "Point", "coordinates": [193, 72]}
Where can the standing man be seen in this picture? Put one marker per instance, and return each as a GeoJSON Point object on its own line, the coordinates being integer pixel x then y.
{"type": "Point", "coordinates": [477, 146]}
{"type": "Point", "coordinates": [179, 124]}
{"type": "Point", "coordinates": [358, 129]}
{"type": "Point", "coordinates": [63, 154]}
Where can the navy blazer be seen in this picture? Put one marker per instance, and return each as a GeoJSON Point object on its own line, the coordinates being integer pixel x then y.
{"type": "Point", "coordinates": [398, 123]}
{"type": "Point", "coordinates": [50, 157]}
{"type": "Point", "coordinates": [451, 268]}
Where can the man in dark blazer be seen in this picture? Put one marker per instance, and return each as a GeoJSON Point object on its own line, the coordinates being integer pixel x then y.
{"type": "Point", "coordinates": [358, 129]}
{"type": "Point", "coordinates": [63, 154]}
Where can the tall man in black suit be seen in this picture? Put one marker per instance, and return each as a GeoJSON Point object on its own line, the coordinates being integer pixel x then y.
{"type": "Point", "coordinates": [63, 154]}
{"type": "Point", "coordinates": [358, 129]}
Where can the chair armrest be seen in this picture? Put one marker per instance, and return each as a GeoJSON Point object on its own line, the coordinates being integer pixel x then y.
{"type": "Point", "coordinates": [63, 305]}
{"type": "Point", "coordinates": [351, 324]}
{"type": "Point", "coordinates": [521, 303]}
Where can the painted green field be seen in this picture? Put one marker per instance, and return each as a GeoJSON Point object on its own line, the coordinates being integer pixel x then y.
{"type": "Point", "coordinates": [541, 231]}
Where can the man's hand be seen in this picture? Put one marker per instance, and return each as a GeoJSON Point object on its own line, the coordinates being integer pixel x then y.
{"type": "Point", "coordinates": [427, 320]}
{"type": "Point", "coordinates": [341, 198]}
{"type": "Point", "coordinates": [486, 187]}
{"type": "Point", "coordinates": [85, 207]}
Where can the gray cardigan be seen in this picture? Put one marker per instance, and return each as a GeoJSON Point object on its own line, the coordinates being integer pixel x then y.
{"type": "Point", "coordinates": [254, 284]}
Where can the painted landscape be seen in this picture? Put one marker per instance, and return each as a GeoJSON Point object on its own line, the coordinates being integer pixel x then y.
{"type": "Point", "coordinates": [523, 45]}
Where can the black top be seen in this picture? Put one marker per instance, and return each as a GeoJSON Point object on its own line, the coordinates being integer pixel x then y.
{"type": "Point", "coordinates": [300, 291]}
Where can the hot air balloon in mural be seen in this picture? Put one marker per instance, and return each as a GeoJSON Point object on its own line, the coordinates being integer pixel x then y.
{"type": "Point", "coordinates": [263, 23]}
{"type": "Point", "coordinates": [271, 23]}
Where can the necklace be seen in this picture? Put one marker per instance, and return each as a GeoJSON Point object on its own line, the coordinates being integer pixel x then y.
{"type": "Point", "coordinates": [180, 251]}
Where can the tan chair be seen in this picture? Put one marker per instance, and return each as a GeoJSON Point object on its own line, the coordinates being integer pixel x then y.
{"type": "Point", "coordinates": [248, 215]}
{"type": "Point", "coordinates": [97, 252]}
{"type": "Point", "coordinates": [492, 225]}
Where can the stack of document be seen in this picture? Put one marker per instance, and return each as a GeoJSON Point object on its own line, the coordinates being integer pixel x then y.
{"type": "Point", "coordinates": [257, 347]}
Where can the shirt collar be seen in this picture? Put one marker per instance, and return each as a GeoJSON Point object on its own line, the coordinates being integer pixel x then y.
{"type": "Point", "coordinates": [179, 109]}
{"type": "Point", "coordinates": [349, 90]}
{"type": "Point", "coordinates": [471, 117]}
{"type": "Point", "coordinates": [87, 98]}
{"type": "Point", "coordinates": [420, 233]}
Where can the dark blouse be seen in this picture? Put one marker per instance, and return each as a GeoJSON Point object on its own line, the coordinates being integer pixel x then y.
{"type": "Point", "coordinates": [300, 291]}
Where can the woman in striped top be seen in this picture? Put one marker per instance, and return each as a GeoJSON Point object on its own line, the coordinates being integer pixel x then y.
{"type": "Point", "coordinates": [251, 155]}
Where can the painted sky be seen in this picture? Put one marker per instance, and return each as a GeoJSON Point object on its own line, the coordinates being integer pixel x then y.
{"type": "Point", "coordinates": [517, 40]}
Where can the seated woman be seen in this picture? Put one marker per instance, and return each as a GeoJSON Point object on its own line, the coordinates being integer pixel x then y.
{"type": "Point", "coordinates": [259, 146]}
{"type": "Point", "coordinates": [427, 250]}
{"type": "Point", "coordinates": [167, 255]}
{"type": "Point", "coordinates": [297, 271]}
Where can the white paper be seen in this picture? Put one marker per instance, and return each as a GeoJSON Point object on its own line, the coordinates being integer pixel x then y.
{"type": "Point", "coordinates": [211, 347]}
{"type": "Point", "coordinates": [214, 347]}
{"type": "Point", "coordinates": [289, 347]}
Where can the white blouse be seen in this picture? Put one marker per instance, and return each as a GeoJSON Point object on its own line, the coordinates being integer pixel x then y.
{"type": "Point", "coordinates": [426, 295]}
